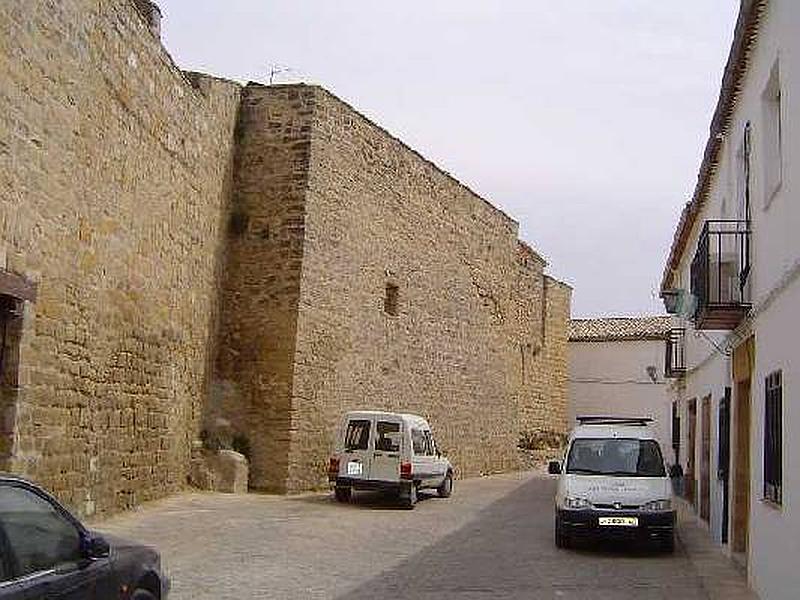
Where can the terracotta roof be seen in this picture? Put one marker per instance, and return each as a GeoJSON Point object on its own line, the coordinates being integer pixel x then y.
{"type": "Point", "coordinates": [619, 329]}
{"type": "Point", "coordinates": [744, 39]}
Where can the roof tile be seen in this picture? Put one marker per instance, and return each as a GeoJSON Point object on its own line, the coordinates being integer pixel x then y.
{"type": "Point", "coordinates": [619, 329]}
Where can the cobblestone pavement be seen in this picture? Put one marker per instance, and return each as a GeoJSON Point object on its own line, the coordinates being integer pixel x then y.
{"type": "Point", "coordinates": [492, 539]}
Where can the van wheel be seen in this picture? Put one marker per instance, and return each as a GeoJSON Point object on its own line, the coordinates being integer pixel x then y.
{"type": "Point", "coordinates": [446, 489]}
{"type": "Point", "coordinates": [668, 544]}
{"type": "Point", "coordinates": [562, 538]}
{"type": "Point", "coordinates": [410, 500]}
{"type": "Point", "coordinates": [343, 494]}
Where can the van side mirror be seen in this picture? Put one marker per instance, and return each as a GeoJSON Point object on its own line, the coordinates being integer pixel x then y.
{"type": "Point", "coordinates": [554, 467]}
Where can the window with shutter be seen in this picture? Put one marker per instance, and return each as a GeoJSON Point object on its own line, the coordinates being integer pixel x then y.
{"type": "Point", "coordinates": [773, 438]}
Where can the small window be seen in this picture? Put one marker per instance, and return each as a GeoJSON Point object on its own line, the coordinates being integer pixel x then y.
{"type": "Point", "coordinates": [357, 435]}
{"type": "Point", "coordinates": [773, 135]}
{"type": "Point", "coordinates": [391, 300]}
{"type": "Point", "coordinates": [773, 439]}
{"type": "Point", "coordinates": [39, 537]}
{"type": "Point", "coordinates": [388, 437]}
{"type": "Point", "coordinates": [419, 442]}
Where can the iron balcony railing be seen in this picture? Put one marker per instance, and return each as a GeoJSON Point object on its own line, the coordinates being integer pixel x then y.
{"type": "Point", "coordinates": [721, 274]}
{"type": "Point", "coordinates": [676, 354]}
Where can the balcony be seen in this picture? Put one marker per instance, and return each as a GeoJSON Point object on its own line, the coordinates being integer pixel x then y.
{"type": "Point", "coordinates": [721, 275]}
{"type": "Point", "coordinates": [676, 354]}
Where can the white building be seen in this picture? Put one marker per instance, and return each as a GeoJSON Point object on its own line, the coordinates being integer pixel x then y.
{"type": "Point", "coordinates": [733, 273]}
{"type": "Point", "coordinates": [617, 366]}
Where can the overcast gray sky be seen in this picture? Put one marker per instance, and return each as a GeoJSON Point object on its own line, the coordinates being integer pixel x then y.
{"type": "Point", "coordinates": [585, 120]}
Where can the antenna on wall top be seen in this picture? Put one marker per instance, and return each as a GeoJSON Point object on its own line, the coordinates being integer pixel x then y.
{"type": "Point", "coordinates": [277, 70]}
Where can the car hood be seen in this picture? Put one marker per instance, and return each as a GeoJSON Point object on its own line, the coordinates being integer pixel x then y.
{"type": "Point", "coordinates": [599, 489]}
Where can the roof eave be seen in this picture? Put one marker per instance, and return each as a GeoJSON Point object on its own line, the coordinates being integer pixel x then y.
{"type": "Point", "coordinates": [744, 38]}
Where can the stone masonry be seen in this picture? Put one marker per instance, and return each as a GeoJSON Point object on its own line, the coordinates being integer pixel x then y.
{"type": "Point", "coordinates": [204, 251]}
{"type": "Point", "coordinates": [329, 211]}
{"type": "Point", "coordinates": [114, 177]}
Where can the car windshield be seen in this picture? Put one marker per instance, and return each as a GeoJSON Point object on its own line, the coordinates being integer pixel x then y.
{"type": "Point", "coordinates": [615, 456]}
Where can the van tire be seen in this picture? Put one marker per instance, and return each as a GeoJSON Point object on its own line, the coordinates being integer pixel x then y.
{"type": "Point", "coordinates": [668, 544]}
{"type": "Point", "coordinates": [343, 494]}
{"type": "Point", "coordinates": [410, 500]}
{"type": "Point", "coordinates": [562, 538]}
{"type": "Point", "coordinates": [446, 489]}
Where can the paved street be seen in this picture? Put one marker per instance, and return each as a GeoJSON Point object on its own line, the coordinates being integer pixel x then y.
{"type": "Point", "coordinates": [492, 539]}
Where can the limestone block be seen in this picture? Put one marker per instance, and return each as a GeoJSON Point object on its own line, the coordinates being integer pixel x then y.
{"type": "Point", "coordinates": [220, 471]}
{"type": "Point", "coordinates": [230, 472]}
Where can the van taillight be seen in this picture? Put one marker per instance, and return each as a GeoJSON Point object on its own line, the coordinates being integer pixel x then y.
{"type": "Point", "coordinates": [405, 470]}
{"type": "Point", "coordinates": [333, 466]}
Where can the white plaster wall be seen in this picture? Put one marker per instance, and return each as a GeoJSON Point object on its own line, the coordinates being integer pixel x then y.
{"type": "Point", "coordinates": [610, 378]}
{"type": "Point", "coordinates": [709, 378]}
{"type": "Point", "coordinates": [774, 532]}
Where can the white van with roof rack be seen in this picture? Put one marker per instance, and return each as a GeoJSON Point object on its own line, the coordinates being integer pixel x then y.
{"type": "Point", "coordinates": [614, 483]}
{"type": "Point", "coordinates": [388, 452]}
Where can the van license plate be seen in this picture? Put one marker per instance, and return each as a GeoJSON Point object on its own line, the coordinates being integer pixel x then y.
{"type": "Point", "coordinates": [355, 468]}
{"type": "Point", "coordinates": [618, 521]}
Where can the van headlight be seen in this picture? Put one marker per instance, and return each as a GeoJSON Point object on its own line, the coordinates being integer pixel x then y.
{"type": "Point", "coordinates": [657, 506]}
{"type": "Point", "coordinates": [574, 503]}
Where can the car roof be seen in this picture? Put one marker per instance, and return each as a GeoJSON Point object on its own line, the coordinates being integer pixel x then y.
{"type": "Point", "coordinates": [408, 417]}
{"type": "Point", "coordinates": [11, 477]}
{"type": "Point", "coordinates": [613, 431]}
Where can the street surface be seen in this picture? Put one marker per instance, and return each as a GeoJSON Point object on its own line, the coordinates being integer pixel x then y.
{"type": "Point", "coordinates": [492, 539]}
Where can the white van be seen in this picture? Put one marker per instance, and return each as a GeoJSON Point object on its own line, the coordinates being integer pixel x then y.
{"type": "Point", "coordinates": [614, 483]}
{"type": "Point", "coordinates": [390, 452]}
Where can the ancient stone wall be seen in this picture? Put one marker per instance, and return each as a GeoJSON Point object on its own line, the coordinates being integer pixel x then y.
{"type": "Point", "coordinates": [528, 301]}
{"type": "Point", "coordinates": [114, 174]}
{"type": "Point", "coordinates": [255, 365]}
{"type": "Point", "coordinates": [555, 358]}
{"type": "Point", "coordinates": [259, 258]}
{"type": "Point", "coordinates": [379, 216]}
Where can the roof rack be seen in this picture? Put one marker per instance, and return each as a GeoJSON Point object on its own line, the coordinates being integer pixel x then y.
{"type": "Point", "coordinates": [597, 420]}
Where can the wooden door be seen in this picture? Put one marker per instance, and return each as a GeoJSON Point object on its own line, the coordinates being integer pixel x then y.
{"type": "Point", "coordinates": [741, 470]}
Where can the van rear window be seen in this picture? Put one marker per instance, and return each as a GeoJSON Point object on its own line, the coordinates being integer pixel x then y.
{"type": "Point", "coordinates": [357, 435]}
{"type": "Point", "coordinates": [388, 437]}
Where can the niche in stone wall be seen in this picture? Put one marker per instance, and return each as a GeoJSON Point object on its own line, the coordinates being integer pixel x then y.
{"type": "Point", "coordinates": [10, 337]}
{"type": "Point", "coordinates": [391, 300]}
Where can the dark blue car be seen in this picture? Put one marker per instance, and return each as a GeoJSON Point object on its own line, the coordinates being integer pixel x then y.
{"type": "Point", "coordinates": [46, 553]}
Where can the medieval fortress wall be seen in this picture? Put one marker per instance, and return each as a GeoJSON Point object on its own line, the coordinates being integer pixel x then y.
{"type": "Point", "coordinates": [202, 250]}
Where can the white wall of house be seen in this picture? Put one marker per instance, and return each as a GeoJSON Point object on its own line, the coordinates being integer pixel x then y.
{"type": "Point", "coordinates": [774, 545]}
{"type": "Point", "coordinates": [610, 378]}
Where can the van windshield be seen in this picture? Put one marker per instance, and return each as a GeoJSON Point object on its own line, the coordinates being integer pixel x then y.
{"type": "Point", "coordinates": [615, 456]}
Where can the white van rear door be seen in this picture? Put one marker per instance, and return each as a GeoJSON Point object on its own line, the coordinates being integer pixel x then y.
{"type": "Point", "coordinates": [356, 455]}
{"type": "Point", "coordinates": [424, 467]}
{"type": "Point", "coordinates": [388, 445]}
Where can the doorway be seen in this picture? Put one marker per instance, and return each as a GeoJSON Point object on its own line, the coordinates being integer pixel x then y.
{"type": "Point", "coordinates": [741, 470]}
{"type": "Point", "coordinates": [705, 459]}
{"type": "Point", "coordinates": [690, 452]}
{"type": "Point", "coordinates": [10, 334]}
{"type": "Point", "coordinates": [723, 459]}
